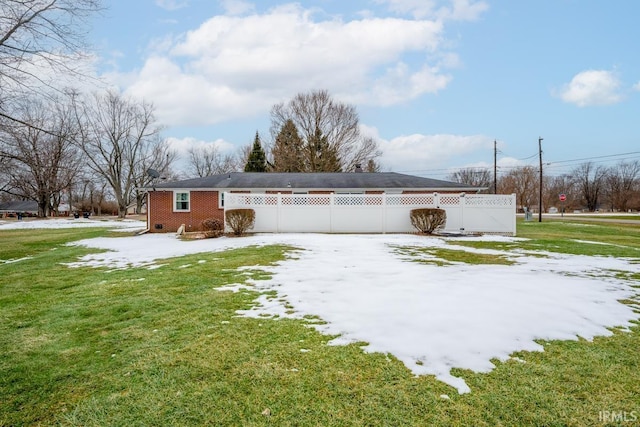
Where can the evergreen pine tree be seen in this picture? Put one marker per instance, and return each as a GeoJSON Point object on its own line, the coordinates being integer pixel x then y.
{"type": "Point", "coordinates": [322, 157]}
{"type": "Point", "coordinates": [372, 166]}
{"type": "Point", "coordinates": [257, 160]}
{"type": "Point", "coordinates": [288, 150]}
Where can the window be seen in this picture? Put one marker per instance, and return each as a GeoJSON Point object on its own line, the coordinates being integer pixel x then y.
{"type": "Point", "coordinates": [181, 201]}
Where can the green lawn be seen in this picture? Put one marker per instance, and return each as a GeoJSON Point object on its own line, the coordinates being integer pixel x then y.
{"type": "Point", "coordinates": [141, 347]}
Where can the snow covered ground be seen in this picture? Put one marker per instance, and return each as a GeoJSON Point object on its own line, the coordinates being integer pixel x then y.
{"type": "Point", "coordinates": [431, 318]}
{"type": "Point", "coordinates": [70, 222]}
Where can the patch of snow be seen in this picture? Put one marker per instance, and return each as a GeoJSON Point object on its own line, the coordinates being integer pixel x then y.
{"type": "Point", "coordinates": [53, 223]}
{"type": "Point", "coordinates": [11, 261]}
{"type": "Point", "coordinates": [604, 244]}
{"type": "Point", "coordinates": [431, 318]}
{"type": "Point", "coordinates": [590, 242]}
{"type": "Point", "coordinates": [234, 287]}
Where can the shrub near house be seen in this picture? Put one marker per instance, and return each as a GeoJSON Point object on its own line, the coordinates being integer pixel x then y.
{"type": "Point", "coordinates": [427, 221]}
{"type": "Point", "coordinates": [240, 220]}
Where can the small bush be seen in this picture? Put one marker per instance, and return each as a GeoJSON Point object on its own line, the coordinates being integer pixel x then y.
{"type": "Point", "coordinates": [428, 220]}
{"type": "Point", "coordinates": [212, 227]}
{"type": "Point", "coordinates": [240, 220]}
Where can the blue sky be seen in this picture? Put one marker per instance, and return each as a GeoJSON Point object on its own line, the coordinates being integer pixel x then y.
{"type": "Point", "coordinates": [434, 81]}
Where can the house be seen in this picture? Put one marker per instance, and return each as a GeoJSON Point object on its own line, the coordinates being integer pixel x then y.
{"type": "Point", "coordinates": [18, 208]}
{"type": "Point", "coordinates": [298, 202]}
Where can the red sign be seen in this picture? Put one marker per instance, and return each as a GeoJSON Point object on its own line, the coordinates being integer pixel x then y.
{"type": "Point", "coordinates": [563, 197]}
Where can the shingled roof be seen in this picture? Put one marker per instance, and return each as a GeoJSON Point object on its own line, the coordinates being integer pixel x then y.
{"type": "Point", "coordinates": [317, 181]}
{"type": "Point", "coordinates": [19, 206]}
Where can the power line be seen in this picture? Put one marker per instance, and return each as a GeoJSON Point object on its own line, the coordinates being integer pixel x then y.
{"type": "Point", "coordinates": [596, 157]}
{"type": "Point", "coordinates": [530, 157]}
{"type": "Point", "coordinates": [558, 164]}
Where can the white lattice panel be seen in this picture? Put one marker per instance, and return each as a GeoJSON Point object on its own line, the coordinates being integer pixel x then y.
{"type": "Point", "coordinates": [373, 200]}
{"type": "Point", "coordinates": [489, 200]}
{"type": "Point", "coordinates": [357, 200]}
{"type": "Point", "coordinates": [449, 200]}
{"type": "Point", "coordinates": [305, 199]}
{"type": "Point", "coordinates": [374, 212]}
{"type": "Point", "coordinates": [410, 199]}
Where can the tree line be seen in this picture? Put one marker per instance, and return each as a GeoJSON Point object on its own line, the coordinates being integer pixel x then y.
{"type": "Point", "coordinates": [60, 144]}
{"type": "Point", "coordinates": [105, 144]}
{"type": "Point", "coordinates": [588, 186]}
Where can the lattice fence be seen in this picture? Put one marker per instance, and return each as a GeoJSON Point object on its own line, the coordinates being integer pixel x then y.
{"type": "Point", "coordinates": [375, 213]}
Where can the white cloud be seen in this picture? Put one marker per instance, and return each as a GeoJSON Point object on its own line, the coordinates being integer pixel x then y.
{"type": "Point", "coordinates": [181, 147]}
{"type": "Point", "coordinates": [192, 98]}
{"type": "Point", "coordinates": [458, 10]}
{"type": "Point", "coordinates": [506, 163]}
{"type": "Point", "coordinates": [636, 86]}
{"type": "Point", "coordinates": [466, 10]}
{"type": "Point", "coordinates": [172, 4]}
{"type": "Point", "coordinates": [399, 84]}
{"type": "Point", "coordinates": [237, 7]}
{"type": "Point", "coordinates": [418, 152]}
{"type": "Point", "coordinates": [234, 66]}
{"type": "Point", "coordinates": [592, 87]}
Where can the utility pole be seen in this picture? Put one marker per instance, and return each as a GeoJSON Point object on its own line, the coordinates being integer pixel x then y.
{"type": "Point", "coordinates": [540, 195]}
{"type": "Point", "coordinates": [495, 167]}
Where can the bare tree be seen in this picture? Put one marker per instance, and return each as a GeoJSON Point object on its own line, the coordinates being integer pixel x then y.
{"type": "Point", "coordinates": [40, 40]}
{"type": "Point", "coordinates": [316, 113]}
{"type": "Point", "coordinates": [621, 182]}
{"type": "Point", "coordinates": [117, 135]}
{"type": "Point", "coordinates": [156, 155]}
{"type": "Point", "coordinates": [555, 186]}
{"type": "Point", "coordinates": [208, 160]}
{"type": "Point", "coordinates": [5, 176]}
{"type": "Point", "coordinates": [523, 182]}
{"type": "Point", "coordinates": [477, 177]}
{"type": "Point", "coordinates": [44, 163]}
{"type": "Point", "coordinates": [590, 181]}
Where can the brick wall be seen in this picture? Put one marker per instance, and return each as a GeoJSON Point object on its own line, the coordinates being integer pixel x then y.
{"type": "Point", "coordinates": [203, 205]}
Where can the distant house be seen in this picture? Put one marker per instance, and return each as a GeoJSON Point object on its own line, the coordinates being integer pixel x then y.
{"type": "Point", "coordinates": [311, 202]}
{"type": "Point", "coordinates": [21, 207]}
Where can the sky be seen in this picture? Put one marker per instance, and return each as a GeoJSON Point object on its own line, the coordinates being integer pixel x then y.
{"type": "Point", "coordinates": [431, 318]}
{"type": "Point", "coordinates": [435, 82]}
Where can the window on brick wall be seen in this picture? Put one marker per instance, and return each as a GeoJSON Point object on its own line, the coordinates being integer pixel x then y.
{"type": "Point", "coordinates": [181, 201]}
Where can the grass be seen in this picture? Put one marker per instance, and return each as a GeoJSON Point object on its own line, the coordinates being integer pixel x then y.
{"type": "Point", "coordinates": [17, 244]}
{"type": "Point", "coordinates": [610, 239]}
{"type": "Point", "coordinates": [572, 217]}
{"type": "Point", "coordinates": [443, 256]}
{"type": "Point", "coordinates": [140, 347]}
